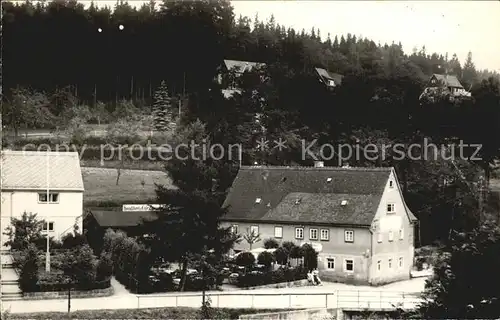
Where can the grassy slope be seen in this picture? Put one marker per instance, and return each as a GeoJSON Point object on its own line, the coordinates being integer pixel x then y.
{"type": "Point", "coordinates": [154, 313]}
{"type": "Point", "coordinates": [100, 185]}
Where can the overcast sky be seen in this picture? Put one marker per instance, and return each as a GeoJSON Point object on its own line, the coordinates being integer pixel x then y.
{"type": "Point", "coordinates": [442, 26]}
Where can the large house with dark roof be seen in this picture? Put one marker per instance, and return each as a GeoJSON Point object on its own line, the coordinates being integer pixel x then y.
{"type": "Point", "coordinates": [49, 184]}
{"type": "Point", "coordinates": [230, 71]}
{"type": "Point", "coordinates": [356, 218]}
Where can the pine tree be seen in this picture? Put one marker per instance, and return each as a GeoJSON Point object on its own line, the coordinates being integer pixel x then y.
{"type": "Point", "coordinates": [162, 109]}
{"type": "Point", "coordinates": [469, 75]}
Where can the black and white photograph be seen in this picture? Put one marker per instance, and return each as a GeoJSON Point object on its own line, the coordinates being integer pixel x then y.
{"type": "Point", "coordinates": [217, 159]}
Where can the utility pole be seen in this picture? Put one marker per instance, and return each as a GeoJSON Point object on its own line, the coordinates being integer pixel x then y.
{"type": "Point", "coordinates": [47, 254]}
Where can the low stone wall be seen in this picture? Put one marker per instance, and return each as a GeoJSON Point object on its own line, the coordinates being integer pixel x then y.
{"type": "Point", "coordinates": [298, 283]}
{"type": "Point", "coordinates": [317, 314]}
{"type": "Point", "coordinates": [64, 294]}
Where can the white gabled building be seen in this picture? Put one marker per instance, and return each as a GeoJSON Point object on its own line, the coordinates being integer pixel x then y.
{"type": "Point", "coordinates": [26, 178]}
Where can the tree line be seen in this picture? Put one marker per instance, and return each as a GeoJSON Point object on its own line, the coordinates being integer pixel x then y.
{"type": "Point", "coordinates": [109, 54]}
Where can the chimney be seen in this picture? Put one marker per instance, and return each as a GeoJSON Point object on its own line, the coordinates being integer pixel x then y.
{"type": "Point", "coordinates": [319, 164]}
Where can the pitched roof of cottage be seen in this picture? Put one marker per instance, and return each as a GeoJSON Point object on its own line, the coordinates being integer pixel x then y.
{"type": "Point", "coordinates": [242, 66]}
{"type": "Point", "coordinates": [449, 81]}
{"type": "Point", "coordinates": [27, 170]}
{"type": "Point", "coordinates": [114, 218]}
{"type": "Point", "coordinates": [358, 209]}
{"type": "Point", "coordinates": [337, 78]}
{"type": "Point", "coordinates": [321, 188]}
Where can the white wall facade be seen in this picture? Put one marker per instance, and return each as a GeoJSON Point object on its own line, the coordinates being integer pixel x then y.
{"type": "Point", "coordinates": [64, 213]}
{"type": "Point", "coordinates": [393, 238]}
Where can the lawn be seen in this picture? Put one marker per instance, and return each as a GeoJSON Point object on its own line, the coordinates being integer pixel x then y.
{"type": "Point", "coordinates": [134, 186]}
{"type": "Point", "coordinates": [154, 313]}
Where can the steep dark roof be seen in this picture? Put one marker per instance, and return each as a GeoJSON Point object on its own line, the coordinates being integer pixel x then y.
{"type": "Point", "coordinates": [359, 209]}
{"type": "Point", "coordinates": [448, 80]}
{"type": "Point", "coordinates": [327, 75]}
{"type": "Point", "coordinates": [273, 184]}
{"type": "Point", "coordinates": [113, 218]}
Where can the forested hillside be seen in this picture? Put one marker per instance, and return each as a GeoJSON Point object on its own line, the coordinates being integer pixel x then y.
{"type": "Point", "coordinates": [63, 44]}
{"type": "Point", "coordinates": [104, 66]}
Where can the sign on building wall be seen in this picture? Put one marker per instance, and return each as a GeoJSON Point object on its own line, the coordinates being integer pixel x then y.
{"type": "Point", "coordinates": [141, 207]}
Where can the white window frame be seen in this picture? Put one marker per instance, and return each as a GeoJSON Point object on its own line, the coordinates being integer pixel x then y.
{"type": "Point", "coordinates": [349, 236]}
{"type": "Point", "coordinates": [379, 265]}
{"type": "Point", "coordinates": [331, 83]}
{"type": "Point", "coordinates": [254, 227]}
{"type": "Point", "coordinates": [345, 265]}
{"type": "Point", "coordinates": [301, 233]}
{"type": "Point", "coordinates": [279, 234]}
{"type": "Point", "coordinates": [389, 263]}
{"type": "Point", "coordinates": [401, 263]}
{"type": "Point", "coordinates": [332, 259]}
{"type": "Point", "coordinates": [44, 227]}
{"type": "Point", "coordinates": [311, 231]}
{"type": "Point", "coordinates": [51, 196]}
{"type": "Point", "coordinates": [391, 236]}
{"type": "Point", "coordinates": [401, 234]}
{"type": "Point", "coordinates": [380, 237]}
{"type": "Point", "coordinates": [325, 232]}
{"type": "Point", "coordinates": [391, 208]}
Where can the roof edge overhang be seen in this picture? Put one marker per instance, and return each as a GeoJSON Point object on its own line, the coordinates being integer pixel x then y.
{"type": "Point", "coordinates": [9, 189]}
{"type": "Point", "coordinates": [229, 219]}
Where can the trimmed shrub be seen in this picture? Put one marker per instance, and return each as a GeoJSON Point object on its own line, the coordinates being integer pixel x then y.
{"type": "Point", "coordinates": [253, 279]}
{"type": "Point", "coordinates": [281, 255]}
{"type": "Point", "coordinates": [265, 258]}
{"type": "Point", "coordinates": [310, 257]}
{"type": "Point", "coordinates": [245, 259]}
{"type": "Point", "coordinates": [271, 243]}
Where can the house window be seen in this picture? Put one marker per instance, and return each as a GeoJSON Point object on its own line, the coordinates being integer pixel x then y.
{"type": "Point", "coordinates": [349, 236]}
{"type": "Point", "coordinates": [299, 233]}
{"type": "Point", "coordinates": [380, 237]}
{"type": "Point", "coordinates": [391, 184]}
{"type": "Point", "coordinates": [330, 263]}
{"type": "Point", "coordinates": [254, 230]}
{"type": "Point", "coordinates": [390, 208]}
{"type": "Point", "coordinates": [379, 265]}
{"type": "Point", "coordinates": [313, 234]}
{"type": "Point", "coordinates": [234, 229]}
{"type": "Point", "coordinates": [391, 236]}
{"type": "Point", "coordinates": [400, 263]}
{"type": "Point", "coordinates": [401, 234]}
{"type": "Point", "coordinates": [53, 197]}
{"type": "Point", "coordinates": [324, 234]}
{"type": "Point", "coordinates": [348, 265]}
{"type": "Point", "coordinates": [51, 226]}
{"type": "Point", "coordinates": [390, 264]}
{"type": "Point", "coordinates": [331, 83]}
{"type": "Point", "coordinates": [278, 232]}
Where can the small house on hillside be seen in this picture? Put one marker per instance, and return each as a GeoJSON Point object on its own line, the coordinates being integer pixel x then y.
{"type": "Point", "coordinates": [356, 218]}
{"type": "Point", "coordinates": [230, 71]}
{"type": "Point", "coordinates": [330, 79]}
{"type": "Point", "coordinates": [445, 84]}
{"type": "Point", "coordinates": [49, 184]}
